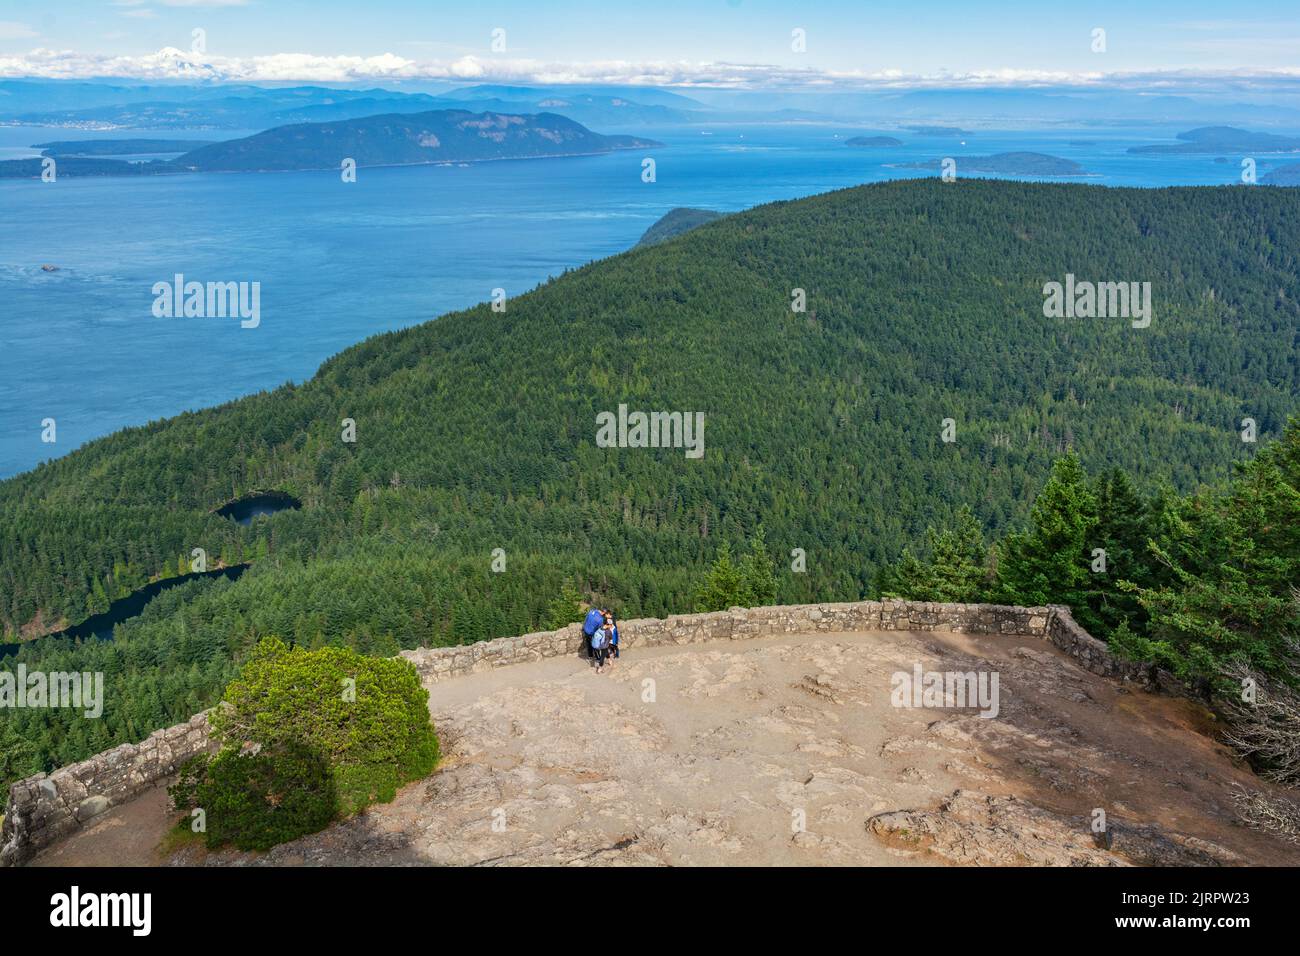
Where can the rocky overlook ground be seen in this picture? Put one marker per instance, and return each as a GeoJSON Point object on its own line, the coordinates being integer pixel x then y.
{"type": "Point", "coordinates": [785, 751]}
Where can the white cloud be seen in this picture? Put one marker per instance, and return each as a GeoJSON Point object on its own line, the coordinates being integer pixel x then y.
{"type": "Point", "coordinates": [171, 63]}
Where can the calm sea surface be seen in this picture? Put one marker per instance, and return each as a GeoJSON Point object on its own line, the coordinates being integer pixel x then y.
{"type": "Point", "coordinates": [340, 262]}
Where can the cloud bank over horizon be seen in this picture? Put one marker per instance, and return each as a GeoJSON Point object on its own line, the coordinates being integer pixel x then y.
{"type": "Point", "coordinates": [171, 63]}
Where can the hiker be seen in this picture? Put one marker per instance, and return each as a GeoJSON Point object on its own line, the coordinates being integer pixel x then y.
{"type": "Point", "coordinates": [611, 629]}
{"type": "Point", "coordinates": [594, 620]}
{"type": "Point", "coordinates": [600, 644]}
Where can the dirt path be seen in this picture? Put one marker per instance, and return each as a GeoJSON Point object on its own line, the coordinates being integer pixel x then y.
{"type": "Point", "coordinates": [784, 751]}
{"type": "Point", "coordinates": [124, 836]}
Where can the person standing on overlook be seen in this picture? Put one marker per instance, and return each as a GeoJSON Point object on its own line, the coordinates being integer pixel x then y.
{"type": "Point", "coordinates": [594, 620]}
{"type": "Point", "coordinates": [600, 645]}
{"type": "Point", "coordinates": [611, 631]}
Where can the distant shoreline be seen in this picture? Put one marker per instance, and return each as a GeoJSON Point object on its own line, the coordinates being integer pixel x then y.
{"type": "Point", "coordinates": [189, 171]}
{"type": "Point", "coordinates": [440, 162]}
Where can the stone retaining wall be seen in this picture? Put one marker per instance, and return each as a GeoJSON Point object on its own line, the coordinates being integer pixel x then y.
{"type": "Point", "coordinates": [441, 663]}
{"type": "Point", "coordinates": [47, 807]}
{"type": "Point", "coordinates": [1064, 632]}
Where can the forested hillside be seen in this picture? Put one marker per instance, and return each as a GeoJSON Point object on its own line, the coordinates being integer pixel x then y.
{"type": "Point", "coordinates": [675, 222]}
{"type": "Point", "coordinates": [1204, 584]}
{"type": "Point", "coordinates": [477, 431]}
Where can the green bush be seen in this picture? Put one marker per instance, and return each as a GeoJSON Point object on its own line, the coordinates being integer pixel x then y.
{"type": "Point", "coordinates": [306, 736]}
{"type": "Point", "coordinates": [256, 800]}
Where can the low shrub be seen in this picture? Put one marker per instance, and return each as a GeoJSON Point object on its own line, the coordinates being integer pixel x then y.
{"type": "Point", "coordinates": [306, 736]}
{"type": "Point", "coordinates": [255, 800]}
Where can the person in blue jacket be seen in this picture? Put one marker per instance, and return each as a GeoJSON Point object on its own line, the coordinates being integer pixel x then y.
{"type": "Point", "coordinates": [611, 629]}
{"type": "Point", "coordinates": [595, 619]}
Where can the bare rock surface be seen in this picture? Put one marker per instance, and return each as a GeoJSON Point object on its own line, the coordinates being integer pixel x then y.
{"type": "Point", "coordinates": [788, 751]}
{"type": "Point", "coordinates": [976, 829]}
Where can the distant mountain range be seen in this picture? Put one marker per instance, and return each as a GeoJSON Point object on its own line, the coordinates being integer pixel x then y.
{"type": "Point", "coordinates": [647, 95]}
{"type": "Point", "coordinates": [244, 107]}
{"type": "Point", "coordinates": [1003, 108]}
{"type": "Point", "coordinates": [437, 136]}
{"type": "Point", "coordinates": [937, 130]}
{"type": "Point", "coordinates": [585, 108]}
{"type": "Point", "coordinates": [87, 105]}
{"type": "Point", "coordinates": [206, 104]}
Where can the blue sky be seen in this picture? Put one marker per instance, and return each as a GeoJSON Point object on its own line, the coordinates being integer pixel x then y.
{"type": "Point", "coordinates": [1016, 38]}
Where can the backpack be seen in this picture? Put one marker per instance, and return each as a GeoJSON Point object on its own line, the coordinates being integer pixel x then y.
{"type": "Point", "coordinates": [599, 639]}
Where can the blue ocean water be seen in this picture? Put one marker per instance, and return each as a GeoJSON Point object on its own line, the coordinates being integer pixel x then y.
{"type": "Point", "coordinates": [340, 262]}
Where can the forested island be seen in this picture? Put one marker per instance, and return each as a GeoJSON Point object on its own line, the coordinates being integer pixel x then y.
{"type": "Point", "coordinates": [1219, 139]}
{"type": "Point", "coordinates": [79, 166]}
{"type": "Point", "coordinates": [438, 136]}
{"type": "Point", "coordinates": [825, 435]}
{"type": "Point", "coordinates": [1011, 164]}
{"type": "Point", "coordinates": [118, 147]}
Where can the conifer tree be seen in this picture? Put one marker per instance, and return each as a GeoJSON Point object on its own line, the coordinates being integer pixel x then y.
{"type": "Point", "coordinates": [1233, 557]}
{"type": "Point", "coordinates": [758, 572]}
{"type": "Point", "coordinates": [724, 586]}
{"type": "Point", "coordinates": [1050, 563]}
{"type": "Point", "coordinates": [953, 568]}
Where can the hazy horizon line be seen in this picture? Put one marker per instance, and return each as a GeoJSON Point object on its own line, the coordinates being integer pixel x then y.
{"type": "Point", "coordinates": [171, 65]}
